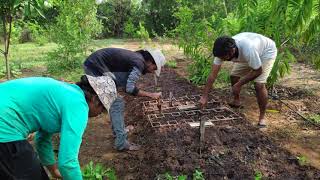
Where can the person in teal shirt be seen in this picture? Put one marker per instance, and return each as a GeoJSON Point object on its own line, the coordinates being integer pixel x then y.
{"type": "Point", "coordinates": [45, 106]}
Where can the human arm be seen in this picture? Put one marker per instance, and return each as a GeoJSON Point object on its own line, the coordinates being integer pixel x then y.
{"type": "Point", "coordinates": [43, 143]}
{"type": "Point", "coordinates": [254, 73]}
{"type": "Point", "coordinates": [215, 68]}
{"type": "Point", "coordinates": [254, 62]}
{"type": "Point", "coordinates": [132, 89]}
{"type": "Point", "coordinates": [73, 123]}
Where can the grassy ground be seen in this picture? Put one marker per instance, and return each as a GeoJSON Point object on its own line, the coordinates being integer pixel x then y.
{"type": "Point", "coordinates": [30, 59]}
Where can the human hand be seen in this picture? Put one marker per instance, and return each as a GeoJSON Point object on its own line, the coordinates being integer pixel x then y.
{"type": "Point", "coordinates": [31, 137]}
{"type": "Point", "coordinates": [236, 88]}
{"type": "Point", "coordinates": [54, 171]}
{"type": "Point", "coordinates": [156, 95]}
{"type": "Point", "coordinates": [203, 101]}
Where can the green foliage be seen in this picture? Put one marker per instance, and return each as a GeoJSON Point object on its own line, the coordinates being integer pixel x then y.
{"type": "Point", "coordinates": [302, 160]}
{"type": "Point", "coordinates": [75, 27]}
{"type": "Point", "coordinates": [15, 33]}
{"type": "Point", "coordinates": [315, 60]}
{"type": "Point", "coordinates": [38, 33]}
{"type": "Point", "coordinates": [114, 15]}
{"type": "Point", "coordinates": [15, 70]}
{"type": "Point", "coordinates": [158, 15]}
{"type": "Point", "coordinates": [286, 22]}
{"type": "Point", "coordinates": [198, 175]}
{"type": "Point", "coordinates": [194, 38]}
{"type": "Point", "coordinates": [97, 172]}
{"type": "Point", "coordinates": [9, 11]}
{"type": "Point", "coordinates": [314, 118]}
{"type": "Point", "coordinates": [171, 64]}
{"type": "Point", "coordinates": [281, 66]}
{"type": "Point", "coordinates": [258, 175]}
{"type": "Point", "coordinates": [223, 79]}
{"type": "Point", "coordinates": [168, 176]}
{"type": "Point", "coordinates": [143, 34]}
{"type": "Point", "coordinates": [130, 29]}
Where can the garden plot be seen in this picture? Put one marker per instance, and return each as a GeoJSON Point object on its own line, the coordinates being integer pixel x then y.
{"type": "Point", "coordinates": [186, 110]}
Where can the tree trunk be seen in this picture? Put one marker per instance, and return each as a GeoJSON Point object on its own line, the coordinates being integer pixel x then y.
{"type": "Point", "coordinates": [6, 47]}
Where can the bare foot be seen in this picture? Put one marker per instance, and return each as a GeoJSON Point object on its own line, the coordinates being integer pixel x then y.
{"type": "Point", "coordinates": [262, 123]}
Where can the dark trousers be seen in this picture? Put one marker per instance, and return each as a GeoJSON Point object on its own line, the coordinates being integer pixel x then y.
{"type": "Point", "coordinates": [19, 161]}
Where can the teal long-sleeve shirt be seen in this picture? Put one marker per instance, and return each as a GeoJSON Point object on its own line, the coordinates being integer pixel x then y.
{"type": "Point", "coordinates": [47, 106]}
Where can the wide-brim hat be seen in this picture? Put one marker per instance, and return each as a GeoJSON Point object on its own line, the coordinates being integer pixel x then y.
{"type": "Point", "coordinates": [105, 88]}
{"type": "Point", "coordinates": [158, 58]}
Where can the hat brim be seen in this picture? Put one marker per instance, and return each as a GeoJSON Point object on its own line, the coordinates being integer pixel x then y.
{"type": "Point", "coordinates": [105, 88]}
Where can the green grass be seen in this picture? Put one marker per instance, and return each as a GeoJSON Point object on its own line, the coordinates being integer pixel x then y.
{"type": "Point", "coordinates": [171, 64]}
{"type": "Point", "coordinates": [33, 57]}
{"type": "Point", "coordinates": [314, 118]}
{"type": "Point", "coordinates": [223, 79]}
{"type": "Point", "coordinates": [28, 54]}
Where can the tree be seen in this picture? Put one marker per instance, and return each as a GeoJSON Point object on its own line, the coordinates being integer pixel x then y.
{"type": "Point", "coordinates": [9, 10]}
{"type": "Point", "coordinates": [75, 26]}
{"type": "Point", "coordinates": [114, 15]}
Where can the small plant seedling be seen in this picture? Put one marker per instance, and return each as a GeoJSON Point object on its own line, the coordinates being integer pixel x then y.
{"type": "Point", "coordinates": [257, 175]}
{"type": "Point", "coordinates": [314, 118]}
{"type": "Point", "coordinates": [97, 172]}
{"type": "Point", "coordinates": [198, 175]}
{"type": "Point", "coordinates": [302, 160]}
{"type": "Point", "coordinates": [182, 177]}
{"type": "Point", "coordinates": [168, 176]}
{"type": "Point", "coordinates": [171, 63]}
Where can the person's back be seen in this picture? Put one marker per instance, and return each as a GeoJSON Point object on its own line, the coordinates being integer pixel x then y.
{"type": "Point", "coordinates": [114, 60]}
{"type": "Point", "coordinates": [248, 42]}
{"type": "Point", "coordinates": [46, 106]}
{"type": "Point", "coordinates": [30, 104]}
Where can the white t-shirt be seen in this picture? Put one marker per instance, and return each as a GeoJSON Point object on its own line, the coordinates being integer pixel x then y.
{"type": "Point", "coordinates": [253, 48]}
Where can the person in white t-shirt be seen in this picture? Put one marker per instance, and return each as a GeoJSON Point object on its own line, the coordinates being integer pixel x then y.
{"type": "Point", "coordinates": [253, 56]}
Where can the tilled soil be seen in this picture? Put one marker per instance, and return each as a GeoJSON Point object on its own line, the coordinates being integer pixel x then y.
{"type": "Point", "coordinates": [236, 150]}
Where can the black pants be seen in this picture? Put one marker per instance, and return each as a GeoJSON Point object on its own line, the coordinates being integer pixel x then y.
{"type": "Point", "coordinates": [19, 161]}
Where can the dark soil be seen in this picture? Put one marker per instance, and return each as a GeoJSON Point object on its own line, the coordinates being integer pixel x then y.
{"type": "Point", "coordinates": [236, 150]}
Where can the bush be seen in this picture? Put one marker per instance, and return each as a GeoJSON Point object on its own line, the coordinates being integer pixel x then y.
{"type": "Point", "coordinates": [130, 29]}
{"type": "Point", "coordinates": [97, 172]}
{"type": "Point", "coordinates": [76, 25]}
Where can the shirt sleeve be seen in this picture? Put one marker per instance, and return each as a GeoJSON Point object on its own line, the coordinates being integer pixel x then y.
{"type": "Point", "coordinates": [217, 61]}
{"type": "Point", "coordinates": [73, 123]}
{"type": "Point", "coordinates": [43, 142]}
{"type": "Point", "coordinates": [132, 80]}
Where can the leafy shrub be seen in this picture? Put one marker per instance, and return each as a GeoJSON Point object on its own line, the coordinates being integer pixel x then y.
{"type": "Point", "coordinates": [130, 29]}
{"type": "Point", "coordinates": [76, 25]}
{"type": "Point", "coordinates": [97, 172]}
{"type": "Point", "coordinates": [38, 33]}
{"type": "Point", "coordinates": [15, 70]}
